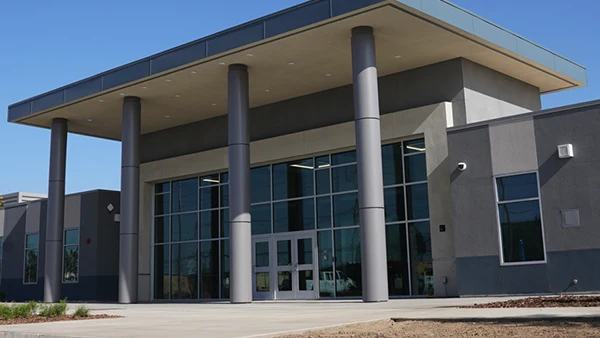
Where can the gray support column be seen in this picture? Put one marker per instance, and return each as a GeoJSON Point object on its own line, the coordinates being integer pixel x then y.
{"type": "Point", "coordinates": [239, 185]}
{"type": "Point", "coordinates": [130, 200]}
{"type": "Point", "coordinates": [56, 211]}
{"type": "Point", "coordinates": [370, 176]}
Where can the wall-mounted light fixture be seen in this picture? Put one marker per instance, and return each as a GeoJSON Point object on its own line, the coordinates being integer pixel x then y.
{"type": "Point", "coordinates": [565, 151]}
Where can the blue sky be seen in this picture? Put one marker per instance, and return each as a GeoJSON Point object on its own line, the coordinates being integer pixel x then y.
{"type": "Point", "coordinates": [47, 44]}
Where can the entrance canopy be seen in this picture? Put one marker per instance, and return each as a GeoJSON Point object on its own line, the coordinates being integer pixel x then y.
{"type": "Point", "coordinates": [298, 51]}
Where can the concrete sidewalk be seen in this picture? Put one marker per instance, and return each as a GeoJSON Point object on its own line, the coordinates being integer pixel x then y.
{"type": "Point", "coordinates": [266, 318]}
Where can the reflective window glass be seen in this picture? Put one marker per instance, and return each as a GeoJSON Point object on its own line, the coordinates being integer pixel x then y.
{"type": "Point", "coordinates": [343, 158]}
{"type": "Point", "coordinates": [224, 177]}
{"type": "Point", "coordinates": [521, 228]}
{"type": "Point", "coordinates": [184, 271]}
{"type": "Point", "coordinates": [162, 204]}
{"type": "Point", "coordinates": [260, 184]}
{"type": "Point", "coordinates": [224, 222]}
{"type": "Point", "coordinates": [184, 196]}
{"type": "Point", "coordinates": [322, 180]}
{"type": "Point", "coordinates": [261, 254]}
{"type": "Point", "coordinates": [225, 195]}
{"type": "Point", "coordinates": [162, 187]}
{"type": "Point", "coordinates": [322, 162]}
{"type": "Point", "coordinates": [184, 227]}
{"type": "Point", "coordinates": [71, 237]}
{"type": "Point", "coordinates": [32, 241]}
{"type": "Point", "coordinates": [209, 270]}
{"type": "Point", "coordinates": [284, 281]}
{"type": "Point", "coordinates": [397, 260]}
{"type": "Point", "coordinates": [347, 261]}
{"type": "Point", "coordinates": [161, 229]}
{"type": "Point", "coordinates": [261, 219]}
{"type": "Point", "coordinates": [262, 281]}
{"type": "Point", "coordinates": [209, 224]}
{"type": "Point", "coordinates": [225, 271]}
{"type": "Point", "coordinates": [161, 272]}
{"type": "Point", "coordinates": [421, 261]}
{"type": "Point", "coordinates": [391, 158]}
{"type": "Point", "coordinates": [71, 264]}
{"type": "Point", "coordinates": [344, 178]}
{"type": "Point", "coordinates": [416, 170]}
{"type": "Point", "coordinates": [284, 252]}
{"type": "Point", "coordinates": [394, 204]}
{"type": "Point", "coordinates": [417, 201]}
{"type": "Point", "coordinates": [304, 251]}
{"type": "Point", "coordinates": [294, 215]}
{"type": "Point", "coordinates": [293, 179]}
{"type": "Point", "coordinates": [326, 280]}
{"type": "Point", "coordinates": [517, 187]}
{"type": "Point", "coordinates": [345, 210]}
{"type": "Point", "coordinates": [324, 212]}
{"type": "Point", "coordinates": [209, 197]}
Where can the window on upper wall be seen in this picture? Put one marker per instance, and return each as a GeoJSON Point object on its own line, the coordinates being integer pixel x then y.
{"type": "Point", "coordinates": [71, 256]}
{"type": "Point", "coordinates": [31, 258]}
{"type": "Point", "coordinates": [520, 219]}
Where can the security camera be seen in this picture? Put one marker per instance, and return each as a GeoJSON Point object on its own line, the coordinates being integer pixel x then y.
{"type": "Point", "coordinates": [462, 166]}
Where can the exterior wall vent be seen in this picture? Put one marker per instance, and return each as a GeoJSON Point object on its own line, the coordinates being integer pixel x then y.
{"type": "Point", "coordinates": [565, 150]}
{"type": "Point", "coordinates": [570, 218]}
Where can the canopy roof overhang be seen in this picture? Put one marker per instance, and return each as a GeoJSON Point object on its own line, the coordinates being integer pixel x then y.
{"type": "Point", "coordinates": [295, 52]}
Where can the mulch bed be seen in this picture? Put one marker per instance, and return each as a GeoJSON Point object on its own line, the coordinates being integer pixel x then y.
{"type": "Point", "coordinates": [40, 319]}
{"type": "Point", "coordinates": [538, 302]}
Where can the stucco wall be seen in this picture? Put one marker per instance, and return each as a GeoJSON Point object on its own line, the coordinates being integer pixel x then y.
{"type": "Point", "coordinates": [515, 145]}
{"type": "Point", "coordinates": [98, 260]}
{"type": "Point", "coordinates": [489, 94]}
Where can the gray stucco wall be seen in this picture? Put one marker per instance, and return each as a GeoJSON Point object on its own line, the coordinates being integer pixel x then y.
{"type": "Point", "coordinates": [489, 94]}
{"type": "Point", "coordinates": [572, 253]}
{"type": "Point", "coordinates": [98, 267]}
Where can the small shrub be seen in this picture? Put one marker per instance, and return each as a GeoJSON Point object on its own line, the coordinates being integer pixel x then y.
{"type": "Point", "coordinates": [6, 312]}
{"type": "Point", "coordinates": [82, 311]}
{"type": "Point", "coordinates": [54, 310]}
{"type": "Point", "coordinates": [24, 310]}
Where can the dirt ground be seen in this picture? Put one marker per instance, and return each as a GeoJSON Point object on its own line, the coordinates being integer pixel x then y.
{"type": "Point", "coordinates": [535, 302]}
{"type": "Point", "coordinates": [456, 328]}
{"type": "Point", "coordinates": [40, 319]}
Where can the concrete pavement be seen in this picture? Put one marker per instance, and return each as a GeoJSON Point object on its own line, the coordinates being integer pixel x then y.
{"type": "Point", "coordinates": [266, 318]}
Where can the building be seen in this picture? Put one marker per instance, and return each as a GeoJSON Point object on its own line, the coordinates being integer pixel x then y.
{"type": "Point", "coordinates": [89, 266]}
{"type": "Point", "coordinates": [356, 148]}
{"type": "Point", "coordinates": [20, 197]}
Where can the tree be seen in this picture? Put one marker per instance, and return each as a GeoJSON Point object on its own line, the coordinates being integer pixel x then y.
{"type": "Point", "coordinates": [1, 202]}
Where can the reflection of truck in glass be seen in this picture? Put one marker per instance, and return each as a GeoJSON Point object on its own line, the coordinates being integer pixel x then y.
{"type": "Point", "coordinates": [326, 282]}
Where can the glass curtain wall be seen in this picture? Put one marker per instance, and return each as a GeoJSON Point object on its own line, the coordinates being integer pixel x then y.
{"type": "Point", "coordinates": [191, 223]}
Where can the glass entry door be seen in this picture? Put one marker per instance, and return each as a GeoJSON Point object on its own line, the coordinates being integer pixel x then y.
{"type": "Point", "coordinates": [294, 267]}
{"type": "Point", "coordinates": [261, 262]}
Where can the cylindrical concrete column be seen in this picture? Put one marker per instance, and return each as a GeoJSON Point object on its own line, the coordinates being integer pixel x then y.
{"type": "Point", "coordinates": [55, 211]}
{"type": "Point", "coordinates": [130, 200]}
{"type": "Point", "coordinates": [239, 185]}
{"type": "Point", "coordinates": [370, 176]}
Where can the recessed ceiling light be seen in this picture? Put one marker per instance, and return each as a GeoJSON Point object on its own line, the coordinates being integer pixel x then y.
{"type": "Point", "coordinates": [249, 54]}
{"type": "Point", "coordinates": [397, 56]}
{"type": "Point", "coordinates": [327, 74]}
{"type": "Point", "coordinates": [144, 87]}
{"type": "Point", "coordinates": [89, 120]}
{"type": "Point", "coordinates": [167, 116]}
{"type": "Point", "coordinates": [291, 63]}
{"type": "Point", "coordinates": [194, 72]}
{"type": "Point", "coordinates": [100, 100]}
{"type": "Point", "coordinates": [267, 90]}
{"type": "Point", "coordinates": [168, 80]}
{"type": "Point", "coordinates": [122, 94]}
{"type": "Point", "coordinates": [222, 63]}
{"type": "Point", "coordinates": [214, 104]}
{"type": "Point", "coordinates": [177, 95]}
